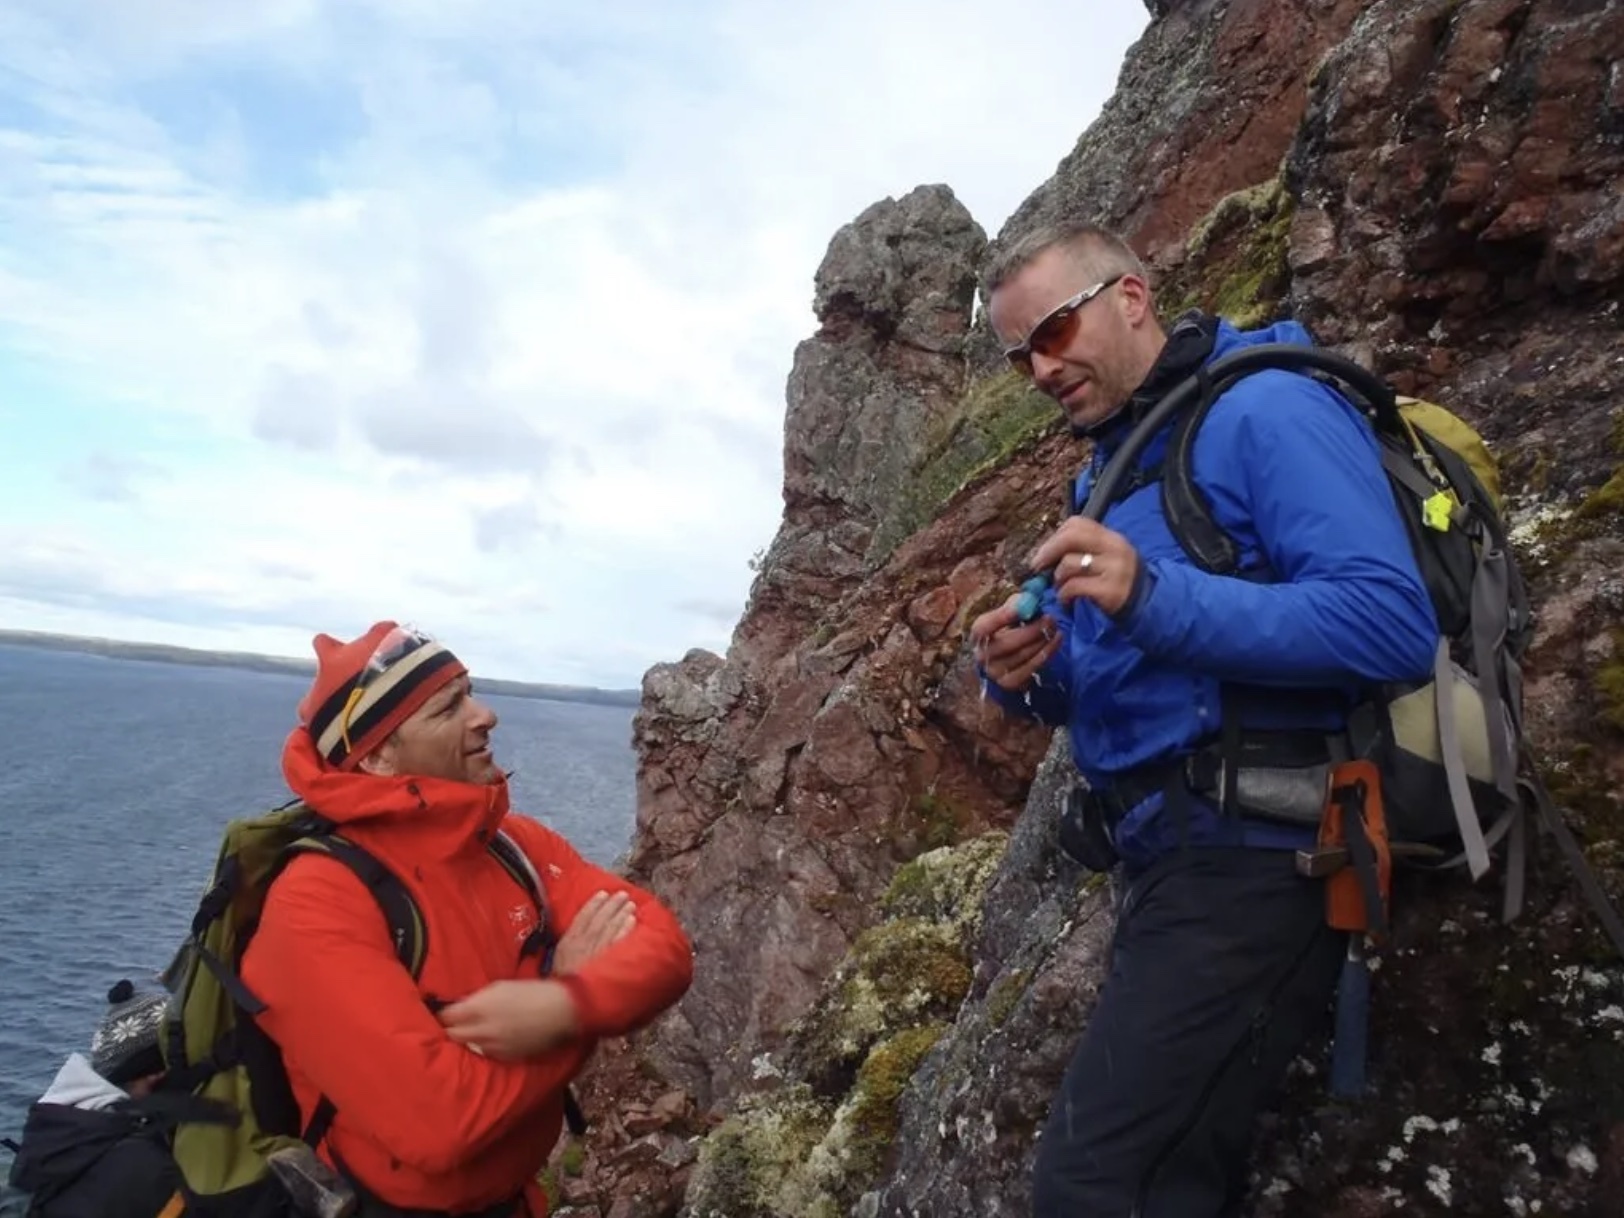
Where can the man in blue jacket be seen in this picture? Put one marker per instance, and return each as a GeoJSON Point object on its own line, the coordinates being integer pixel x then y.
{"type": "Point", "coordinates": [1222, 961]}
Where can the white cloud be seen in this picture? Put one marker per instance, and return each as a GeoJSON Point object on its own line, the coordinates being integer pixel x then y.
{"type": "Point", "coordinates": [496, 340]}
{"type": "Point", "coordinates": [108, 478]}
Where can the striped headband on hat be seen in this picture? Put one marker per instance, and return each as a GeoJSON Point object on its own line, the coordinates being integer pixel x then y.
{"type": "Point", "coordinates": [367, 688]}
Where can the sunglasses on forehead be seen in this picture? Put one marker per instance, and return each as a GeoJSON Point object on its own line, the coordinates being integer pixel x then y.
{"type": "Point", "coordinates": [1056, 328]}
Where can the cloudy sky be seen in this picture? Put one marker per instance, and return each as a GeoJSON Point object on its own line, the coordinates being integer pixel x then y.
{"type": "Point", "coordinates": [471, 313]}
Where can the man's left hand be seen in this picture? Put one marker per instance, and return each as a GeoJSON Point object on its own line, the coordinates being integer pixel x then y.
{"type": "Point", "coordinates": [509, 1020]}
{"type": "Point", "coordinates": [603, 921]}
{"type": "Point", "coordinates": [1089, 560]}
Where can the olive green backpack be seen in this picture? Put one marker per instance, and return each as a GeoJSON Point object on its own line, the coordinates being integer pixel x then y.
{"type": "Point", "coordinates": [212, 1044]}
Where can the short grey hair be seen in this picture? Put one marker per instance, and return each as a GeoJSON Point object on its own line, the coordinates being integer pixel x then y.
{"type": "Point", "coordinates": [1098, 250]}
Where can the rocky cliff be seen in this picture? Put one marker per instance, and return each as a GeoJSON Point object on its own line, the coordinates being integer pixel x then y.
{"type": "Point", "coordinates": [893, 957]}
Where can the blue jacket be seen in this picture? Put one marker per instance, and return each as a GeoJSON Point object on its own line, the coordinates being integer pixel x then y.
{"type": "Point", "coordinates": [1294, 476]}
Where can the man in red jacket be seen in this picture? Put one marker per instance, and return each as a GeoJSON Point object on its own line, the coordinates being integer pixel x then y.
{"type": "Point", "coordinates": [448, 1091]}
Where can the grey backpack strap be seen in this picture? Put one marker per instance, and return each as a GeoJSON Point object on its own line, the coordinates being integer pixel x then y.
{"type": "Point", "coordinates": [1551, 817]}
{"type": "Point", "coordinates": [1491, 611]}
{"type": "Point", "coordinates": [1454, 762]}
{"type": "Point", "coordinates": [1516, 864]}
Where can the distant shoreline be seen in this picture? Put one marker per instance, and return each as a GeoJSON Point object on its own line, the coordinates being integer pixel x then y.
{"type": "Point", "coordinates": [163, 653]}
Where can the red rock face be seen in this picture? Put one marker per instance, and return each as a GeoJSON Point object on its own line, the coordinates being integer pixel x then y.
{"type": "Point", "coordinates": [1452, 171]}
{"type": "Point", "coordinates": [780, 788]}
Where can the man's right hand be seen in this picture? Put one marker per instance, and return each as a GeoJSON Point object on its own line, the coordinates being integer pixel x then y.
{"type": "Point", "coordinates": [605, 919]}
{"type": "Point", "coordinates": [512, 1020]}
{"type": "Point", "coordinates": [1008, 651]}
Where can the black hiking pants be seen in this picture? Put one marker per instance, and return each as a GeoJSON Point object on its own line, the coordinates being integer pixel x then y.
{"type": "Point", "coordinates": [1221, 967]}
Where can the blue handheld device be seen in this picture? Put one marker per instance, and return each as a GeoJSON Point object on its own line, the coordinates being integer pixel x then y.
{"type": "Point", "coordinates": [1031, 598]}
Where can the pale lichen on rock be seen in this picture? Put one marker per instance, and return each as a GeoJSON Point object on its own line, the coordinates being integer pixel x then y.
{"type": "Point", "coordinates": [852, 1055]}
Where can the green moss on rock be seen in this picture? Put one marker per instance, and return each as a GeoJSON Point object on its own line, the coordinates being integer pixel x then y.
{"type": "Point", "coordinates": [946, 885]}
{"type": "Point", "coordinates": [748, 1163]}
{"type": "Point", "coordinates": [1545, 539]}
{"type": "Point", "coordinates": [897, 974]}
{"type": "Point", "coordinates": [1236, 257]}
{"type": "Point", "coordinates": [941, 821]}
{"type": "Point", "coordinates": [1576, 783]}
{"type": "Point", "coordinates": [872, 1112]}
{"type": "Point", "coordinates": [1538, 479]}
{"type": "Point", "coordinates": [791, 1156]}
{"type": "Point", "coordinates": [1006, 992]}
{"type": "Point", "coordinates": [1609, 683]}
{"type": "Point", "coordinates": [998, 417]}
{"type": "Point", "coordinates": [914, 963]}
{"type": "Point", "coordinates": [1605, 503]}
{"type": "Point", "coordinates": [854, 1152]}
{"type": "Point", "coordinates": [812, 1148]}
{"type": "Point", "coordinates": [910, 969]}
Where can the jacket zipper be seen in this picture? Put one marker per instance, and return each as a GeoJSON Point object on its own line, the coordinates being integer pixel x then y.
{"type": "Point", "coordinates": [1254, 1035]}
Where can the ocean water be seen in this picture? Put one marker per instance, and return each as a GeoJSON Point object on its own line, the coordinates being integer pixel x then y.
{"type": "Point", "coordinates": [116, 778]}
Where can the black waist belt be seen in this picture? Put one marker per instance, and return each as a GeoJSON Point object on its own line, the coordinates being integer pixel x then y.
{"type": "Point", "coordinates": [1201, 771]}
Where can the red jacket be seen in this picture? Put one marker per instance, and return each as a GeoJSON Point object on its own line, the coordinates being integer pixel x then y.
{"type": "Point", "coordinates": [422, 1121]}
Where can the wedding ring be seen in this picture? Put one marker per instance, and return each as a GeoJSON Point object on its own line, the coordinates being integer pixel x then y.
{"type": "Point", "coordinates": [1084, 562]}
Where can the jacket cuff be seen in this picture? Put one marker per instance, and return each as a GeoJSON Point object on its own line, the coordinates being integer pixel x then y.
{"type": "Point", "coordinates": [1144, 583]}
{"type": "Point", "coordinates": [585, 1016]}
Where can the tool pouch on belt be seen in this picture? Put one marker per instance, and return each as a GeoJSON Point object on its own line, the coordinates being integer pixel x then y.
{"type": "Point", "coordinates": [1291, 795]}
{"type": "Point", "coordinates": [1352, 852]}
{"type": "Point", "coordinates": [1082, 831]}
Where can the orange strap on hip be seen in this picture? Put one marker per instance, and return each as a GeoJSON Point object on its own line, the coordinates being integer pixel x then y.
{"type": "Point", "coordinates": [174, 1207]}
{"type": "Point", "coordinates": [1353, 853]}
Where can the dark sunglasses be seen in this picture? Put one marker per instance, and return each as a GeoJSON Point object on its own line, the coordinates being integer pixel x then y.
{"type": "Point", "coordinates": [1057, 328]}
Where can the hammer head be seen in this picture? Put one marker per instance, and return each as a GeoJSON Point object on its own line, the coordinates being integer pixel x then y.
{"type": "Point", "coordinates": [316, 1190]}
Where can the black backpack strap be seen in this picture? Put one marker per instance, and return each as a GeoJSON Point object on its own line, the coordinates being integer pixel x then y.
{"type": "Point", "coordinates": [1187, 508]}
{"type": "Point", "coordinates": [321, 1120]}
{"type": "Point", "coordinates": [210, 909]}
{"type": "Point", "coordinates": [406, 928]}
{"type": "Point", "coordinates": [517, 864]}
{"type": "Point", "coordinates": [573, 1115]}
{"type": "Point", "coordinates": [542, 940]}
